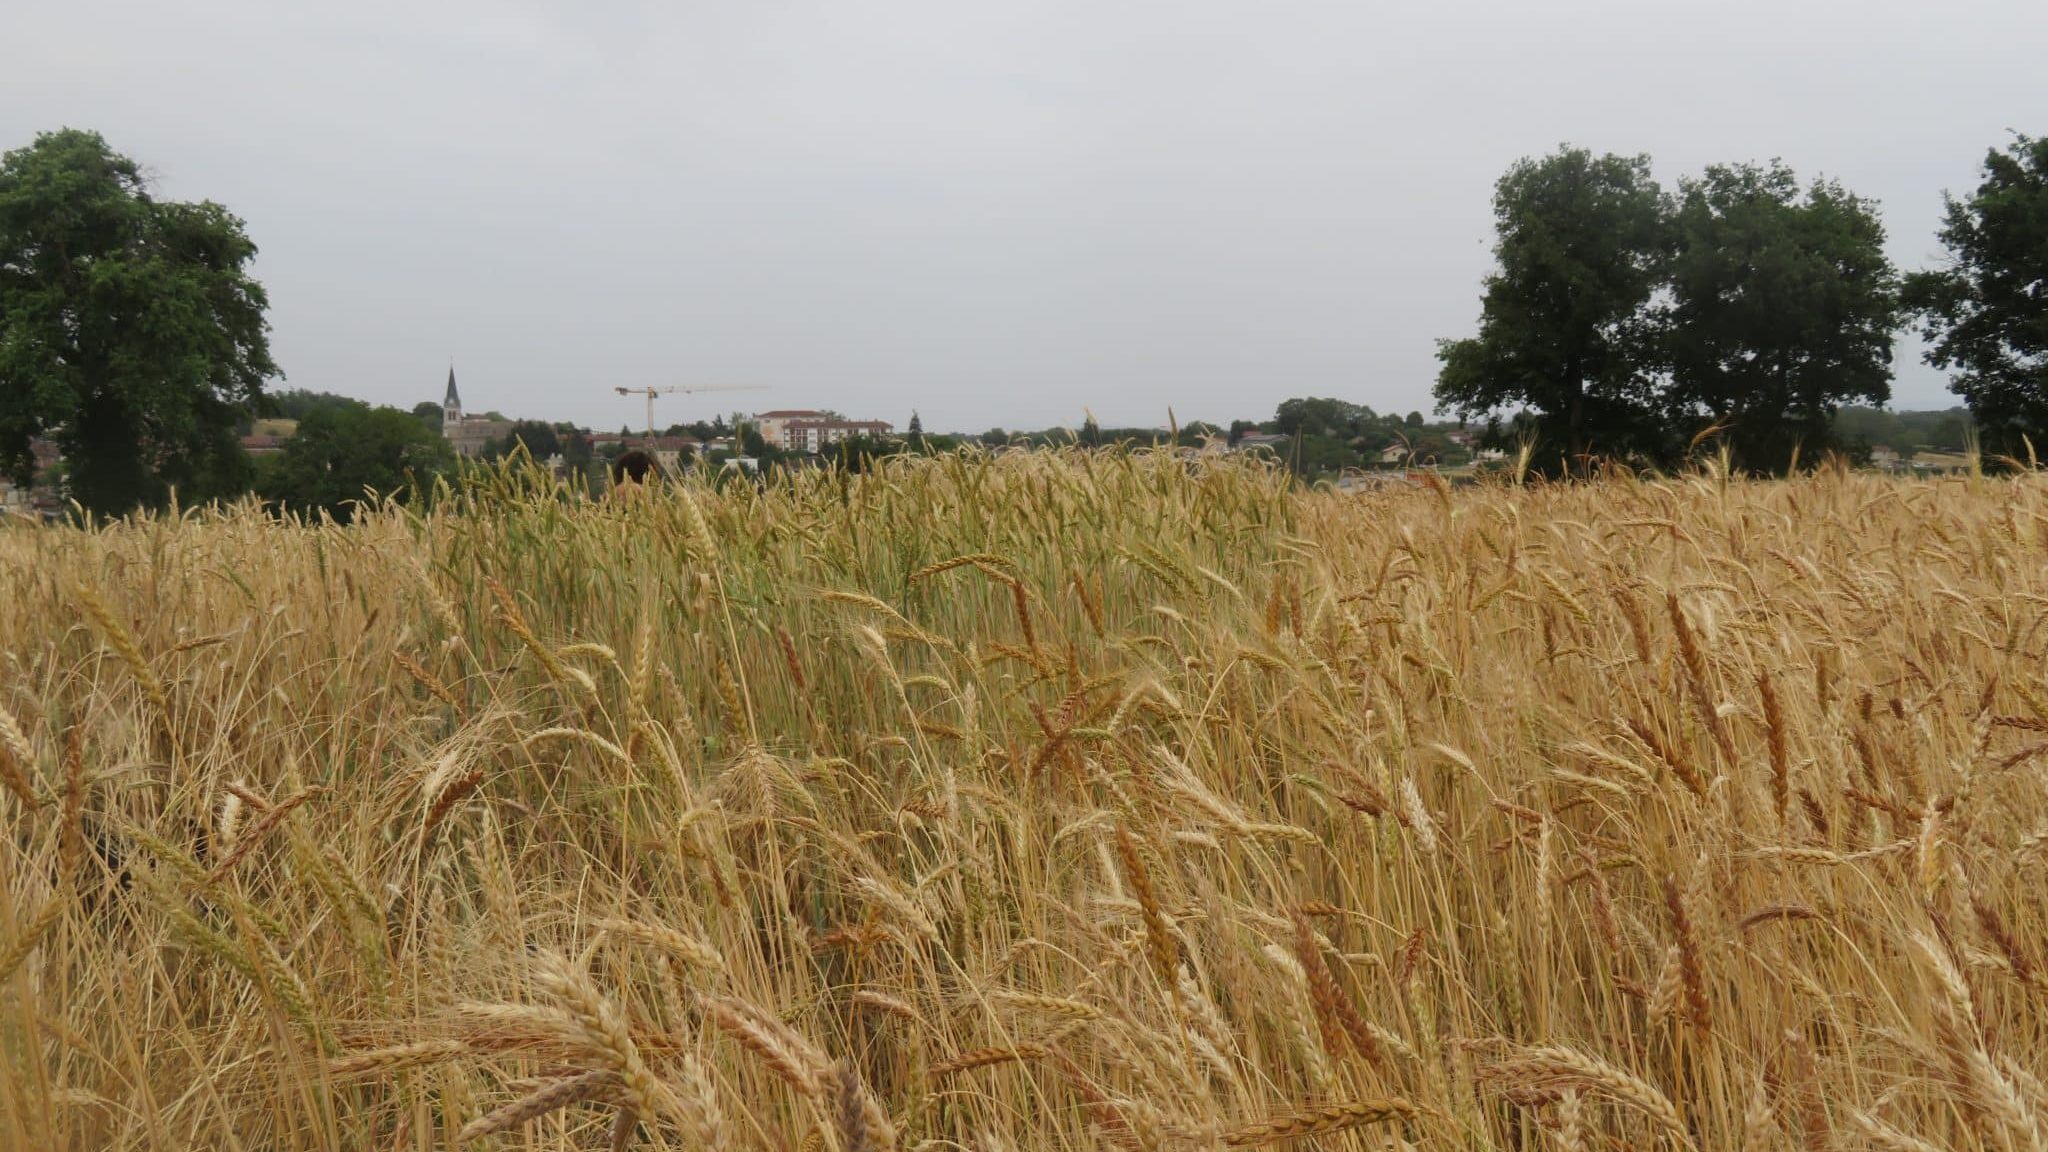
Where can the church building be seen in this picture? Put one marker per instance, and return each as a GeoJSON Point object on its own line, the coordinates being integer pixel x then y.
{"type": "Point", "coordinates": [467, 434]}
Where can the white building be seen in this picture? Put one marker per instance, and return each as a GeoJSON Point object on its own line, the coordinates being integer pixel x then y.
{"type": "Point", "coordinates": [809, 430]}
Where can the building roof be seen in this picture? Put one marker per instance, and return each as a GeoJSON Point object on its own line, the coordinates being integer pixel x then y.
{"type": "Point", "coordinates": [454, 398]}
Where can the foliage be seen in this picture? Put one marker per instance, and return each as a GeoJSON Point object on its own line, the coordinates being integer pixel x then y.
{"type": "Point", "coordinates": [342, 453]}
{"type": "Point", "coordinates": [299, 403]}
{"type": "Point", "coordinates": [577, 451]}
{"type": "Point", "coordinates": [1782, 308]}
{"type": "Point", "coordinates": [1329, 437]}
{"type": "Point", "coordinates": [1321, 416]}
{"type": "Point", "coordinates": [1090, 435]}
{"type": "Point", "coordinates": [131, 331]}
{"type": "Point", "coordinates": [1986, 313]}
{"type": "Point", "coordinates": [1580, 250]}
{"type": "Point", "coordinates": [1034, 801]}
{"type": "Point", "coordinates": [541, 441]}
{"type": "Point", "coordinates": [713, 429]}
{"type": "Point", "coordinates": [857, 454]}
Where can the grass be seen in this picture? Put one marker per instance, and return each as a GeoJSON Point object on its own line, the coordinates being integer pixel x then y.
{"type": "Point", "coordinates": [1048, 801]}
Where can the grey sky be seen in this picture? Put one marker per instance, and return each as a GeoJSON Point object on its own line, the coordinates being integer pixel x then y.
{"type": "Point", "coordinates": [996, 213]}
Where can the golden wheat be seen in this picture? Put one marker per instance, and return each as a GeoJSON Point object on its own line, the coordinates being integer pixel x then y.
{"type": "Point", "coordinates": [1048, 800]}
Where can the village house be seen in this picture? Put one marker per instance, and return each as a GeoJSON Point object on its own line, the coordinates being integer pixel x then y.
{"type": "Point", "coordinates": [1270, 441]}
{"type": "Point", "coordinates": [668, 450]}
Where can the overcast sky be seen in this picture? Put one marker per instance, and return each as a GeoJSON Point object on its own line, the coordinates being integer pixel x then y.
{"type": "Point", "coordinates": [995, 213]}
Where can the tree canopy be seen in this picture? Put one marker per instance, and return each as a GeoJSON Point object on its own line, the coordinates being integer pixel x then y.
{"type": "Point", "coordinates": [1580, 249]}
{"type": "Point", "coordinates": [1782, 308]}
{"type": "Point", "coordinates": [1986, 313]}
{"type": "Point", "coordinates": [131, 331]}
{"type": "Point", "coordinates": [341, 452]}
{"type": "Point", "coordinates": [1622, 323]}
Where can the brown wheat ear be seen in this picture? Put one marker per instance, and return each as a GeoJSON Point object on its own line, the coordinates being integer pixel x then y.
{"type": "Point", "coordinates": [531, 1107]}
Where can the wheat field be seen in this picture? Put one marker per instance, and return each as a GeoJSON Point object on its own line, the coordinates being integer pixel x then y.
{"type": "Point", "coordinates": [1045, 801]}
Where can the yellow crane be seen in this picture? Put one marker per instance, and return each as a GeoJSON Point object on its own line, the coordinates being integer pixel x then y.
{"type": "Point", "coordinates": [651, 393]}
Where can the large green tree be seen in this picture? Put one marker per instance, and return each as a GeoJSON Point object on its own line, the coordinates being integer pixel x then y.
{"type": "Point", "coordinates": [1782, 307]}
{"type": "Point", "coordinates": [1986, 314]}
{"type": "Point", "coordinates": [131, 331]}
{"type": "Point", "coordinates": [1580, 246]}
{"type": "Point", "coordinates": [342, 452]}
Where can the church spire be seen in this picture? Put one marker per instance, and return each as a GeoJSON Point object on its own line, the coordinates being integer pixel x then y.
{"type": "Point", "coordinates": [453, 399]}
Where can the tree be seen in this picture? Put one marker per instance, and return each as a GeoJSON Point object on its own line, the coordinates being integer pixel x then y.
{"type": "Point", "coordinates": [1091, 432]}
{"type": "Point", "coordinates": [916, 429]}
{"type": "Point", "coordinates": [1580, 250]}
{"type": "Point", "coordinates": [1316, 415]}
{"type": "Point", "coordinates": [541, 441]}
{"type": "Point", "coordinates": [340, 453]}
{"type": "Point", "coordinates": [298, 403]}
{"type": "Point", "coordinates": [857, 454]}
{"type": "Point", "coordinates": [1414, 420]}
{"type": "Point", "coordinates": [429, 414]}
{"type": "Point", "coordinates": [576, 451]}
{"type": "Point", "coordinates": [1782, 308]}
{"type": "Point", "coordinates": [131, 332]}
{"type": "Point", "coordinates": [1986, 314]}
{"type": "Point", "coordinates": [751, 443]}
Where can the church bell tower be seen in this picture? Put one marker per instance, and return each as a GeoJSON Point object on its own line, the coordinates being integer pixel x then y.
{"type": "Point", "coordinates": [451, 406]}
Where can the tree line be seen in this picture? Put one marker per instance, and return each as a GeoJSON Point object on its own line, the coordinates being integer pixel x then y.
{"type": "Point", "coordinates": [1741, 310]}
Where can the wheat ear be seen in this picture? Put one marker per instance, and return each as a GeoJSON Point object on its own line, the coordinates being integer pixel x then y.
{"type": "Point", "coordinates": [535, 1105]}
{"type": "Point", "coordinates": [1319, 1120]}
{"type": "Point", "coordinates": [604, 1030]}
{"type": "Point", "coordinates": [395, 1058]}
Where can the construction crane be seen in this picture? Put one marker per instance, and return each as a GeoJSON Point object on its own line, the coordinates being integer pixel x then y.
{"type": "Point", "coordinates": [651, 393]}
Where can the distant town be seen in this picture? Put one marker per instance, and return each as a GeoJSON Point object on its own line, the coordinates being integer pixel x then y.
{"type": "Point", "coordinates": [1320, 439]}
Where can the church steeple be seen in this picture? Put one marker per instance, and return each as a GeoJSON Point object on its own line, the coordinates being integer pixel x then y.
{"type": "Point", "coordinates": [451, 404]}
